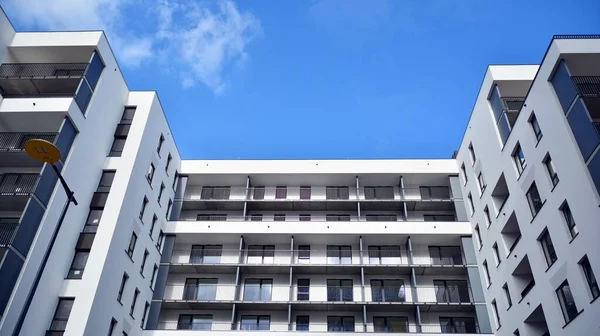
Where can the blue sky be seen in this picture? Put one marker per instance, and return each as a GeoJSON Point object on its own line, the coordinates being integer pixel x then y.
{"type": "Point", "coordinates": [315, 79]}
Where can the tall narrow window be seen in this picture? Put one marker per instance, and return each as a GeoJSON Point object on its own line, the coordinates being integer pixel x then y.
{"type": "Point", "coordinates": [132, 242]}
{"type": "Point", "coordinates": [161, 140]}
{"type": "Point", "coordinates": [486, 214]}
{"type": "Point", "coordinates": [537, 131]}
{"type": "Point", "coordinates": [486, 270]}
{"type": "Point", "coordinates": [159, 240]}
{"type": "Point", "coordinates": [481, 182]}
{"type": "Point", "coordinates": [471, 205]}
{"type": "Point", "coordinates": [567, 302]}
{"type": "Point", "coordinates": [534, 200]}
{"type": "Point", "coordinates": [303, 289]}
{"type": "Point", "coordinates": [464, 173]}
{"type": "Point", "coordinates": [154, 220]}
{"type": "Point", "coordinates": [519, 159]}
{"type": "Point", "coordinates": [122, 287]}
{"type": "Point", "coordinates": [590, 278]}
{"type": "Point", "coordinates": [305, 192]}
{"type": "Point", "coordinates": [175, 179]}
{"type": "Point", "coordinates": [478, 236]}
{"type": "Point", "coordinates": [146, 307]}
{"type": "Point", "coordinates": [143, 209]}
{"type": "Point", "coordinates": [144, 258]}
{"type": "Point", "coordinates": [304, 254]}
{"type": "Point", "coordinates": [496, 253]}
{"type": "Point", "coordinates": [133, 301]}
{"type": "Point", "coordinates": [154, 270]}
{"type": "Point", "coordinates": [169, 207]}
{"type": "Point", "coordinates": [507, 295]}
{"type": "Point", "coordinates": [160, 192]}
{"type": "Point", "coordinates": [111, 328]}
{"type": "Point", "coordinates": [496, 316]}
{"type": "Point", "coordinates": [548, 248]}
{"type": "Point", "coordinates": [169, 159]}
{"type": "Point", "coordinates": [150, 174]}
{"type": "Point", "coordinates": [551, 170]}
{"type": "Point", "coordinates": [281, 192]}
{"type": "Point", "coordinates": [302, 322]}
{"type": "Point", "coordinates": [472, 153]}
{"type": "Point", "coordinates": [61, 315]}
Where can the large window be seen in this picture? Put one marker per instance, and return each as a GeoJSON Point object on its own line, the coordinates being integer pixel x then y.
{"type": "Point", "coordinates": [458, 325]}
{"type": "Point", "coordinates": [305, 192]}
{"type": "Point", "coordinates": [340, 323]}
{"type": "Point", "coordinates": [261, 254]}
{"type": "Point", "coordinates": [519, 159]}
{"type": "Point", "coordinates": [304, 254]}
{"type": "Point", "coordinates": [258, 193]}
{"type": "Point", "coordinates": [302, 322]}
{"type": "Point", "coordinates": [206, 254]}
{"type": "Point", "coordinates": [303, 289]}
{"type": "Point", "coordinates": [567, 302]}
{"type": "Point", "coordinates": [339, 254]}
{"type": "Point", "coordinates": [534, 199]}
{"type": "Point", "coordinates": [194, 322]}
{"type": "Point", "coordinates": [258, 289]}
{"type": "Point", "coordinates": [255, 322]}
{"type": "Point", "coordinates": [215, 193]}
{"type": "Point", "coordinates": [394, 324]}
{"type": "Point", "coordinates": [384, 192]}
{"type": "Point", "coordinates": [387, 254]}
{"type": "Point", "coordinates": [202, 289]}
{"type": "Point", "coordinates": [340, 290]}
{"type": "Point", "coordinates": [590, 278]}
{"type": "Point", "coordinates": [451, 291]}
{"type": "Point", "coordinates": [280, 192]}
{"type": "Point", "coordinates": [445, 255]}
{"type": "Point", "coordinates": [551, 170]}
{"type": "Point", "coordinates": [337, 193]}
{"type": "Point", "coordinates": [388, 290]}
{"type": "Point", "coordinates": [61, 315]}
{"type": "Point", "coordinates": [548, 248]}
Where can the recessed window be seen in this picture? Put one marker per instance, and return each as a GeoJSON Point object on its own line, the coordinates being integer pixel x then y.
{"type": "Point", "coordinates": [279, 217]}
{"type": "Point", "coordinates": [146, 307]}
{"type": "Point", "coordinates": [568, 216]}
{"type": "Point", "coordinates": [122, 287]}
{"type": "Point", "coordinates": [150, 174]}
{"type": "Point", "coordinates": [486, 214]}
{"type": "Point", "coordinates": [507, 295]}
{"type": "Point", "coordinates": [131, 247]}
{"type": "Point", "coordinates": [169, 159]}
{"type": "Point", "coordinates": [256, 218]}
{"type": "Point", "coordinates": [61, 315]}
{"type": "Point", "coordinates": [337, 193]}
{"type": "Point", "coordinates": [117, 147]}
{"type": "Point", "coordinates": [144, 258]}
{"type": "Point", "coordinates": [78, 264]}
{"type": "Point", "coordinates": [551, 170]}
{"type": "Point", "coordinates": [590, 278]}
{"type": "Point", "coordinates": [478, 237]}
{"type": "Point", "coordinates": [175, 179]}
{"type": "Point", "coordinates": [481, 182]}
{"type": "Point", "coordinates": [160, 192]}
{"type": "Point", "coordinates": [302, 322]}
{"type": "Point", "coordinates": [154, 270]}
{"type": "Point", "coordinates": [303, 289]}
{"type": "Point", "coordinates": [471, 205]}
{"type": "Point", "coordinates": [534, 199]}
{"type": "Point", "coordinates": [161, 140]}
{"type": "Point", "coordinates": [303, 254]}
{"type": "Point", "coordinates": [548, 248]}
{"type": "Point", "coordinates": [567, 302]}
{"type": "Point", "coordinates": [472, 153]}
{"type": "Point", "coordinates": [496, 253]}
{"type": "Point", "coordinates": [304, 217]}
{"type": "Point", "coordinates": [133, 302]}
{"type": "Point", "coordinates": [280, 192]}
{"type": "Point", "coordinates": [536, 127]}
{"type": "Point", "coordinates": [464, 173]}
{"type": "Point", "coordinates": [169, 207]}
{"type": "Point", "coordinates": [519, 159]}
{"type": "Point", "coordinates": [486, 270]}
{"type": "Point", "coordinates": [496, 315]}
{"type": "Point", "coordinates": [154, 220]}
{"type": "Point", "coordinates": [143, 209]}
{"type": "Point", "coordinates": [159, 241]}
{"type": "Point", "coordinates": [106, 181]}
{"type": "Point", "coordinates": [305, 193]}
{"type": "Point", "coordinates": [111, 329]}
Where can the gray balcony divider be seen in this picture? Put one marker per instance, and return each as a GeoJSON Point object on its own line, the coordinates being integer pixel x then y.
{"type": "Point", "coordinates": [88, 83]}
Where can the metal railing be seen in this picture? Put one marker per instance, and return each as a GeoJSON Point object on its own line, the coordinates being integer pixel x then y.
{"type": "Point", "coordinates": [15, 141]}
{"type": "Point", "coordinates": [42, 70]}
{"type": "Point", "coordinates": [315, 218]}
{"type": "Point", "coordinates": [513, 104]}
{"type": "Point", "coordinates": [575, 36]}
{"type": "Point", "coordinates": [17, 184]}
{"type": "Point", "coordinates": [596, 127]}
{"type": "Point", "coordinates": [7, 230]}
{"type": "Point", "coordinates": [587, 86]}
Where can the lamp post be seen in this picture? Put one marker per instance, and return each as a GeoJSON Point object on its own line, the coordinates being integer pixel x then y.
{"type": "Point", "coordinates": [47, 152]}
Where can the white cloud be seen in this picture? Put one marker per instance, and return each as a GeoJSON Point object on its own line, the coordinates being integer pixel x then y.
{"type": "Point", "coordinates": [201, 41]}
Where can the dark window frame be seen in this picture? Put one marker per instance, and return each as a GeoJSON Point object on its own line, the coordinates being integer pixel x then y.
{"type": "Point", "coordinates": [566, 301]}
{"type": "Point", "coordinates": [589, 276]}
{"type": "Point", "coordinates": [59, 322]}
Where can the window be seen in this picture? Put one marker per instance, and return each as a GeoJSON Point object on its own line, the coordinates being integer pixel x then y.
{"type": "Point", "coordinates": [451, 291]}
{"type": "Point", "coordinates": [305, 193]}
{"type": "Point", "coordinates": [496, 254]}
{"type": "Point", "coordinates": [379, 193]}
{"type": "Point", "coordinates": [303, 254]}
{"type": "Point", "coordinates": [160, 192]}
{"type": "Point", "coordinates": [381, 218]}
{"type": "Point", "coordinates": [458, 325]}
{"type": "Point", "coordinates": [131, 247]}
{"type": "Point", "coordinates": [507, 295]}
{"type": "Point", "coordinates": [93, 219]}
{"type": "Point", "coordinates": [195, 322]}
{"type": "Point", "coordinates": [481, 182]}
{"type": "Point", "coordinates": [143, 209]}
{"type": "Point", "coordinates": [154, 220]}
{"type": "Point", "coordinates": [471, 205]}
{"type": "Point", "coordinates": [111, 328]}
{"type": "Point", "coordinates": [478, 236]}
{"type": "Point", "coordinates": [122, 287]}
{"type": "Point", "coordinates": [340, 290]}
{"type": "Point", "coordinates": [393, 324]}
{"type": "Point", "coordinates": [258, 193]}
{"type": "Point", "coordinates": [161, 140]}
{"type": "Point", "coordinates": [303, 289]}
{"type": "Point", "coordinates": [382, 255]}
{"type": "Point", "coordinates": [78, 264]}
{"type": "Point", "coordinates": [150, 174]}
{"type": "Point", "coordinates": [586, 267]}
{"type": "Point", "coordinates": [117, 147]}
{"type": "Point", "coordinates": [154, 270]}
{"type": "Point", "coordinates": [519, 159]}
{"type": "Point", "coordinates": [146, 307]}
{"type": "Point", "coordinates": [340, 323]}
{"type": "Point", "coordinates": [175, 179]}
{"type": "Point", "coordinates": [337, 218]}
{"type": "Point", "coordinates": [551, 170]}
{"type": "Point", "coordinates": [536, 127]}
{"type": "Point", "coordinates": [206, 254]}
{"type": "Point", "coordinates": [464, 173]}
{"type": "Point", "coordinates": [534, 200]}
{"type": "Point", "coordinates": [279, 217]}
{"type": "Point", "coordinates": [255, 322]}
{"type": "Point", "coordinates": [211, 217]}
{"type": "Point", "coordinates": [567, 303]}
{"type": "Point", "coordinates": [337, 193]}
{"type": "Point", "coordinates": [496, 316]}
{"type": "Point", "coordinates": [445, 255]}
{"type": "Point", "coordinates": [304, 217]}
{"type": "Point", "coordinates": [215, 193]}
{"type": "Point", "coordinates": [472, 154]}
{"type": "Point", "coordinates": [339, 254]}
{"type": "Point", "coordinates": [159, 241]}
{"type": "Point", "coordinates": [437, 218]}
{"type": "Point", "coordinates": [302, 323]}
{"type": "Point", "coordinates": [261, 254]}
{"type": "Point", "coordinates": [169, 158]}
{"type": "Point", "coordinates": [135, 296]}
{"type": "Point", "coordinates": [169, 207]}
{"type": "Point", "coordinates": [388, 290]}
{"type": "Point", "coordinates": [256, 217]}
{"type": "Point", "coordinates": [434, 193]}
{"type": "Point", "coordinates": [486, 270]}
{"type": "Point", "coordinates": [106, 181]}
{"type": "Point", "coordinates": [61, 315]}
{"type": "Point", "coordinates": [144, 258]}
{"type": "Point", "coordinates": [202, 289]}
{"type": "Point", "coordinates": [548, 248]}
{"type": "Point", "coordinates": [486, 214]}
{"type": "Point", "coordinates": [280, 192]}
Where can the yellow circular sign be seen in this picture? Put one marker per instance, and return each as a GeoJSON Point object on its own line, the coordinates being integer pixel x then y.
{"type": "Point", "coordinates": [42, 150]}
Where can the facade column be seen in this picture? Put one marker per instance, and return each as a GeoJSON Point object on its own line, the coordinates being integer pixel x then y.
{"type": "Point", "coordinates": [245, 211]}
{"type": "Point", "coordinates": [483, 318]}
{"type": "Point", "coordinates": [403, 196]}
{"type": "Point", "coordinates": [358, 198]}
{"type": "Point", "coordinates": [160, 282]}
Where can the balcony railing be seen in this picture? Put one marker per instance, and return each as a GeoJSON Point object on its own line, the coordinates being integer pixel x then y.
{"type": "Point", "coordinates": [17, 184]}
{"type": "Point", "coordinates": [42, 70]}
{"type": "Point", "coordinates": [513, 104]}
{"type": "Point", "coordinates": [587, 86]}
{"type": "Point", "coordinates": [15, 141]}
{"type": "Point", "coordinates": [316, 218]}
{"type": "Point", "coordinates": [8, 227]}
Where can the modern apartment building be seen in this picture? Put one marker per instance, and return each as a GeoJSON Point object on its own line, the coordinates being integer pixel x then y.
{"type": "Point", "coordinates": [530, 171]}
{"type": "Point", "coordinates": [159, 246]}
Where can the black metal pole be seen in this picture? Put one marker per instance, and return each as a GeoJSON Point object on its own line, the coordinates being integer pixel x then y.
{"type": "Point", "coordinates": [40, 271]}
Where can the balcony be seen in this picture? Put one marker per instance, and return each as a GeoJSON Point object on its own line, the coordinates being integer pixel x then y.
{"type": "Point", "coordinates": [12, 151]}
{"type": "Point", "coordinates": [15, 190]}
{"type": "Point", "coordinates": [8, 228]}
